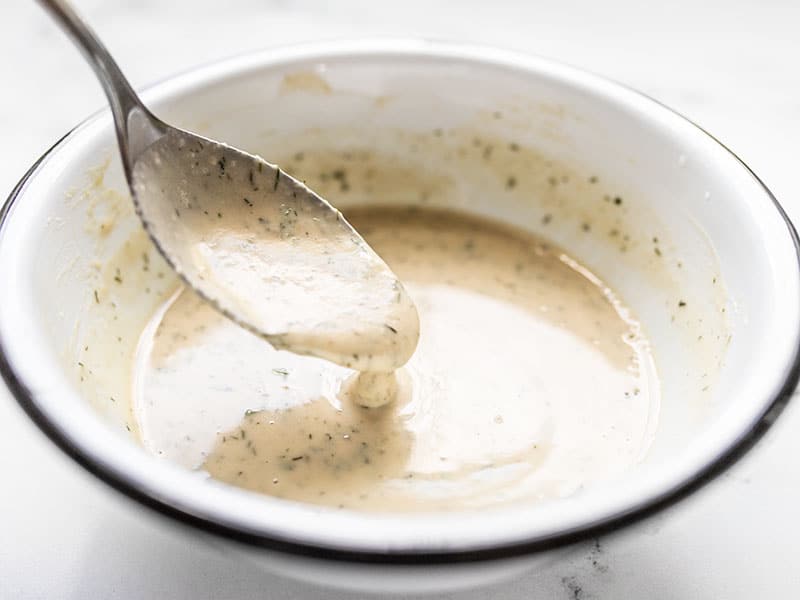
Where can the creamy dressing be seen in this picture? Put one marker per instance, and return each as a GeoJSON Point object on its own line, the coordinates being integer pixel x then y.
{"type": "Point", "coordinates": [275, 257]}
{"type": "Point", "coordinates": [530, 380]}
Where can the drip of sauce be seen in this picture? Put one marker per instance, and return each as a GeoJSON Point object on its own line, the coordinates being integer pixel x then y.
{"type": "Point", "coordinates": [530, 380]}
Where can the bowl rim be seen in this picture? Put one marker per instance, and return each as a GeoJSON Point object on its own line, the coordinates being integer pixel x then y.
{"type": "Point", "coordinates": [399, 47]}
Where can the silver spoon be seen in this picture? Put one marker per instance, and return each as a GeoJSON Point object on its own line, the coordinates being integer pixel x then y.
{"type": "Point", "coordinates": [254, 242]}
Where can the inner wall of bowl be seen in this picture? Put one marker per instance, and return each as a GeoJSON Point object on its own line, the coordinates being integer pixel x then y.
{"type": "Point", "coordinates": [641, 196]}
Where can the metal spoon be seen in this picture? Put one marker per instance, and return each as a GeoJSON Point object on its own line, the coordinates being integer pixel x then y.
{"type": "Point", "coordinates": [254, 242]}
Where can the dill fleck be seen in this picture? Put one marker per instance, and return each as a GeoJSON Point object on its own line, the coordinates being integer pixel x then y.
{"type": "Point", "coordinates": [681, 303]}
{"type": "Point", "coordinates": [390, 328]}
{"type": "Point", "coordinates": [96, 297]}
{"type": "Point", "coordinates": [281, 371]}
{"type": "Point", "coordinates": [617, 200]}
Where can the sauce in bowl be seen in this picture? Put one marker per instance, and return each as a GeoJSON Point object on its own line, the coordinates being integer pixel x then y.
{"type": "Point", "coordinates": [530, 380]}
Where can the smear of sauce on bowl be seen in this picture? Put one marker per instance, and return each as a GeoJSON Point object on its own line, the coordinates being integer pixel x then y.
{"type": "Point", "coordinates": [530, 380]}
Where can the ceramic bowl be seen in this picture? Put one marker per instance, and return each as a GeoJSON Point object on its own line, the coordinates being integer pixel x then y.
{"type": "Point", "coordinates": [686, 234]}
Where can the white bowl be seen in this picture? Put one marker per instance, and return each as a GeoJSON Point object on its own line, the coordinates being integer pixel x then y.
{"type": "Point", "coordinates": [727, 250]}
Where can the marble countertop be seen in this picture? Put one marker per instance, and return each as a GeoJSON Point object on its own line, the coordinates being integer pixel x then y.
{"type": "Point", "coordinates": [730, 65]}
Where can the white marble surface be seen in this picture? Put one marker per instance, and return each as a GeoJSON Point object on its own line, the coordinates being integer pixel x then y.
{"type": "Point", "coordinates": [731, 65]}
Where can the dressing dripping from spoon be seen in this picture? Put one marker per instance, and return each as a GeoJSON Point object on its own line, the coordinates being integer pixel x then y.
{"type": "Point", "coordinates": [255, 243]}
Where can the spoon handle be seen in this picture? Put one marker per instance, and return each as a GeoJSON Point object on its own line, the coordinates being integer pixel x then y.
{"type": "Point", "coordinates": [136, 126]}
